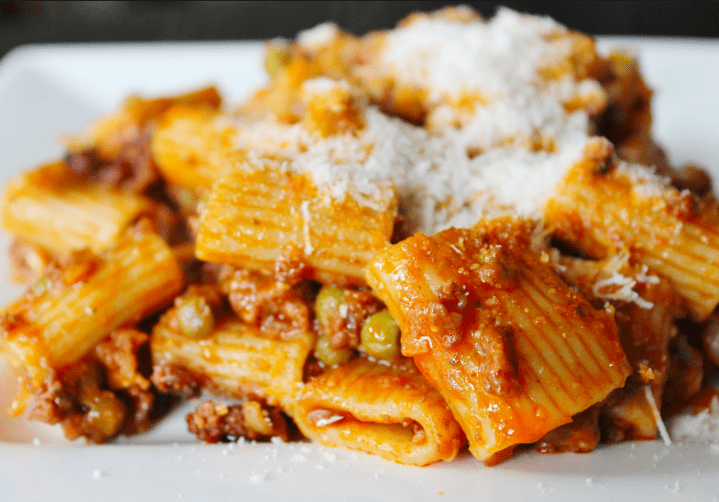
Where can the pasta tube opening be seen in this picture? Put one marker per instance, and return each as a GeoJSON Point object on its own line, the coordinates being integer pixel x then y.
{"type": "Point", "coordinates": [390, 411]}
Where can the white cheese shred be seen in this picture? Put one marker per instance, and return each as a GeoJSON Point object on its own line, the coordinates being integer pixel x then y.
{"type": "Point", "coordinates": [657, 416]}
{"type": "Point", "coordinates": [305, 209]}
{"type": "Point", "coordinates": [324, 422]}
{"type": "Point", "coordinates": [625, 291]}
{"type": "Point", "coordinates": [702, 426]}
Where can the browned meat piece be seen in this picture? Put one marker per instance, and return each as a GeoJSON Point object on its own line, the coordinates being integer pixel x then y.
{"type": "Point", "coordinates": [176, 380]}
{"type": "Point", "coordinates": [104, 394]}
{"type": "Point", "coordinates": [259, 299]}
{"type": "Point", "coordinates": [581, 435]}
{"type": "Point", "coordinates": [642, 149]}
{"type": "Point", "coordinates": [119, 355]}
{"type": "Point", "coordinates": [291, 267]}
{"type": "Point", "coordinates": [499, 361]}
{"type": "Point", "coordinates": [692, 178]}
{"type": "Point", "coordinates": [132, 170]}
{"type": "Point", "coordinates": [79, 404]}
{"type": "Point", "coordinates": [343, 322]}
{"type": "Point", "coordinates": [213, 421]}
{"type": "Point", "coordinates": [710, 339]}
{"type": "Point", "coordinates": [685, 375]}
{"type": "Point", "coordinates": [628, 110]}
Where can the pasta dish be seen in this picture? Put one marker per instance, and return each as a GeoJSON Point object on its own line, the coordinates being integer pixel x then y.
{"type": "Point", "coordinates": [456, 233]}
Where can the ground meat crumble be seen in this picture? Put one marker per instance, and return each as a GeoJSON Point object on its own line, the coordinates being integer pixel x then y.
{"type": "Point", "coordinates": [213, 422]}
{"type": "Point", "coordinates": [104, 394]}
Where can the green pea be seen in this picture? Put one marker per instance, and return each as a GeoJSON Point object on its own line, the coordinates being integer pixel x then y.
{"type": "Point", "coordinates": [380, 335]}
{"type": "Point", "coordinates": [195, 318]}
{"type": "Point", "coordinates": [104, 415]}
{"type": "Point", "coordinates": [329, 356]}
{"type": "Point", "coordinates": [327, 304]}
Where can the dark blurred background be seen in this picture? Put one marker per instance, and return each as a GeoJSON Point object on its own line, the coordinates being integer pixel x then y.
{"type": "Point", "coordinates": [51, 22]}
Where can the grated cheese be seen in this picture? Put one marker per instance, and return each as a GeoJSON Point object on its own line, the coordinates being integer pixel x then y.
{"type": "Point", "coordinates": [521, 138]}
{"type": "Point", "coordinates": [645, 182]}
{"type": "Point", "coordinates": [320, 35]}
{"type": "Point", "coordinates": [258, 478]}
{"type": "Point", "coordinates": [323, 85]}
{"type": "Point", "coordinates": [521, 117]}
{"type": "Point", "coordinates": [438, 184]}
{"type": "Point", "coordinates": [646, 279]}
{"type": "Point", "coordinates": [305, 209]}
{"type": "Point", "coordinates": [324, 422]}
{"type": "Point", "coordinates": [657, 416]}
{"type": "Point", "coordinates": [625, 291]}
{"type": "Point", "coordinates": [496, 58]}
{"type": "Point", "coordinates": [703, 426]}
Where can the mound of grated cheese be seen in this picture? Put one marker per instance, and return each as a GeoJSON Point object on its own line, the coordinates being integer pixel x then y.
{"type": "Point", "coordinates": [439, 183]}
{"type": "Point", "coordinates": [496, 59]}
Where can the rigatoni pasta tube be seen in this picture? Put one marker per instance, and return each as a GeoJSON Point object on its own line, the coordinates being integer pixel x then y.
{"type": "Point", "coordinates": [256, 217]}
{"type": "Point", "coordinates": [186, 143]}
{"type": "Point", "coordinates": [604, 207]}
{"type": "Point", "coordinates": [63, 317]}
{"type": "Point", "coordinates": [110, 134]}
{"type": "Point", "coordinates": [62, 212]}
{"type": "Point", "coordinates": [237, 359]}
{"type": "Point", "coordinates": [646, 309]}
{"type": "Point", "coordinates": [514, 351]}
{"type": "Point", "coordinates": [392, 412]}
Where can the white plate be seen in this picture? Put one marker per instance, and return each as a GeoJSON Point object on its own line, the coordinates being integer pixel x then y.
{"type": "Point", "coordinates": [46, 91]}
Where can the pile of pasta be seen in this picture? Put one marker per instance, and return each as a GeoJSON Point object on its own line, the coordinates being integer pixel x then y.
{"type": "Point", "coordinates": [457, 232]}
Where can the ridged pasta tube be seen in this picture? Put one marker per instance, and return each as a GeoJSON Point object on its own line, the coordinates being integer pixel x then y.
{"type": "Point", "coordinates": [514, 351]}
